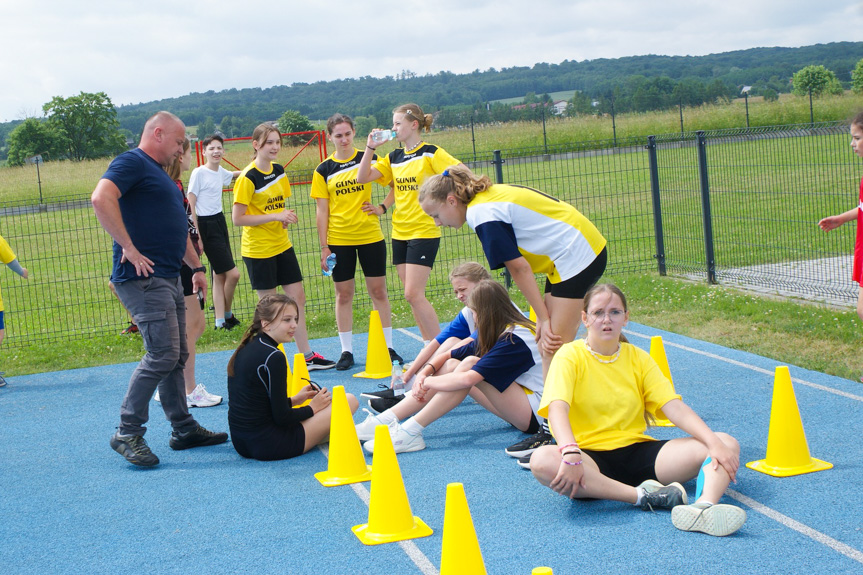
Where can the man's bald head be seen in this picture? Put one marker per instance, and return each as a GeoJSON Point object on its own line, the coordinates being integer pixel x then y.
{"type": "Point", "coordinates": [163, 137]}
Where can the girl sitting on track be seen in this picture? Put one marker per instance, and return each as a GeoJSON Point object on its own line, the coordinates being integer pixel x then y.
{"type": "Point", "coordinates": [351, 231]}
{"type": "Point", "coordinates": [415, 239]}
{"type": "Point", "coordinates": [503, 363]}
{"type": "Point", "coordinates": [264, 424]}
{"type": "Point", "coordinates": [599, 394]}
{"type": "Point", "coordinates": [260, 206]}
{"type": "Point", "coordinates": [528, 232]}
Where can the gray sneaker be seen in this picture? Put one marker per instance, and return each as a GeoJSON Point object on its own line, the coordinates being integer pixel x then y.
{"type": "Point", "coordinates": [718, 519]}
{"type": "Point", "coordinates": [134, 448]}
{"type": "Point", "coordinates": [665, 497]}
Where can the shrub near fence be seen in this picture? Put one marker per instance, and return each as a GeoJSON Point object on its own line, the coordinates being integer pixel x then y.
{"type": "Point", "coordinates": [767, 191]}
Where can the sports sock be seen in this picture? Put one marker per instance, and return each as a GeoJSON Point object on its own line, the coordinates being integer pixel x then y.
{"type": "Point", "coordinates": [387, 417]}
{"type": "Point", "coordinates": [346, 339]}
{"type": "Point", "coordinates": [388, 336]}
{"type": "Point", "coordinates": [412, 427]}
{"type": "Point", "coordinates": [220, 322]}
{"type": "Point", "coordinates": [640, 492]}
{"type": "Point", "coordinates": [229, 314]}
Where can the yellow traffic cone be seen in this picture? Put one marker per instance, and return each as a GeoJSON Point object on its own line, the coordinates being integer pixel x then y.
{"type": "Point", "coordinates": [531, 314]}
{"type": "Point", "coordinates": [378, 363]}
{"type": "Point", "coordinates": [657, 352]}
{"type": "Point", "coordinates": [301, 377]}
{"type": "Point", "coordinates": [542, 571]}
{"type": "Point", "coordinates": [390, 517]}
{"type": "Point", "coordinates": [290, 382]}
{"type": "Point", "coordinates": [787, 449]}
{"type": "Point", "coordinates": [347, 464]}
{"type": "Point", "coordinates": [460, 553]}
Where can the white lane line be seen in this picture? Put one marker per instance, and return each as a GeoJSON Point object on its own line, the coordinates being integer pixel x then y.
{"type": "Point", "coordinates": [410, 334]}
{"type": "Point", "coordinates": [752, 367]}
{"type": "Point", "coordinates": [413, 552]}
{"type": "Point", "coordinates": [838, 546]}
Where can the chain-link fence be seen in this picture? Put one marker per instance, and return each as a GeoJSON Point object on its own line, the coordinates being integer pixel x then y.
{"type": "Point", "coordinates": [738, 206]}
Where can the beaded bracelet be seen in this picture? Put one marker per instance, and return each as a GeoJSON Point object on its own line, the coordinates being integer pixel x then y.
{"type": "Point", "coordinates": [431, 366]}
{"type": "Point", "coordinates": [579, 462]}
{"type": "Point", "coordinates": [562, 447]}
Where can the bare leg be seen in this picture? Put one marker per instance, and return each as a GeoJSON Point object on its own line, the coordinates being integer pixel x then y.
{"type": "Point", "coordinates": [232, 278]}
{"type": "Point", "coordinates": [565, 316]}
{"type": "Point", "coordinates": [344, 305]}
{"type": "Point", "coordinates": [415, 278]}
{"type": "Point", "coordinates": [681, 459]}
{"type": "Point", "coordinates": [195, 324]}
{"type": "Point", "coordinates": [378, 292]}
{"type": "Point", "coordinates": [545, 464]}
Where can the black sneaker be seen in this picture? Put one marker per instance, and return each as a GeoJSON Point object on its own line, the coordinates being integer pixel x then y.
{"type": "Point", "coordinates": [524, 461]}
{"type": "Point", "coordinates": [385, 392]}
{"type": "Point", "coordinates": [530, 444]}
{"type": "Point", "coordinates": [346, 361]}
{"type": "Point", "coordinates": [134, 448]}
{"type": "Point", "coordinates": [395, 356]}
{"type": "Point", "coordinates": [383, 404]}
{"type": "Point", "coordinates": [2, 379]}
{"type": "Point", "coordinates": [198, 437]}
{"type": "Point", "coordinates": [317, 361]}
{"type": "Point", "coordinates": [231, 322]}
{"type": "Point", "coordinates": [666, 497]}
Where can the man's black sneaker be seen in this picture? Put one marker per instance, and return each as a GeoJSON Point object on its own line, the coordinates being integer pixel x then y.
{"type": "Point", "coordinates": [666, 497]}
{"type": "Point", "coordinates": [231, 322]}
{"type": "Point", "coordinates": [383, 404]}
{"type": "Point", "coordinates": [395, 356]}
{"type": "Point", "coordinates": [346, 361]}
{"type": "Point", "coordinates": [530, 444]}
{"type": "Point", "coordinates": [134, 448]}
{"type": "Point", "coordinates": [385, 392]}
{"type": "Point", "coordinates": [317, 361]}
{"type": "Point", "coordinates": [198, 437]}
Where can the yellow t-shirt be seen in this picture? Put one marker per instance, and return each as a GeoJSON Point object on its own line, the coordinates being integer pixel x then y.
{"type": "Point", "coordinates": [336, 181]}
{"type": "Point", "coordinates": [606, 401]}
{"type": "Point", "coordinates": [6, 256]}
{"type": "Point", "coordinates": [409, 169]}
{"type": "Point", "coordinates": [263, 193]}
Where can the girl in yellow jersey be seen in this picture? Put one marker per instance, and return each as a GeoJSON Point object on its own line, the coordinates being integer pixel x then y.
{"type": "Point", "coordinates": [351, 231]}
{"type": "Point", "coordinates": [260, 195]}
{"type": "Point", "coordinates": [7, 256]}
{"type": "Point", "coordinates": [415, 237]}
{"type": "Point", "coordinates": [528, 232]}
{"type": "Point", "coordinates": [599, 395]}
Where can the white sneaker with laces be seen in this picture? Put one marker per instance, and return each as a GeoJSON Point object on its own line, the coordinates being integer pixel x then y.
{"type": "Point", "coordinates": [200, 398]}
{"type": "Point", "coordinates": [717, 519]}
{"type": "Point", "coordinates": [403, 442]}
{"type": "Point", "coordinates": [366, 428]}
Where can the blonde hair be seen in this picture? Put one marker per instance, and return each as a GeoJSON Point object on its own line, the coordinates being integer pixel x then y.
{"type": "Point", "coordinates": [269, 309]}
{"type": "Point", "coordinates": [457, 181]}
{"type": "Point", "coordinates": [414, 113]}
{"type": "Point", "coordinates": [173, 170]}
{"type": "Point", "coordinates": [470, 271]}
{"type": "Point", "coordinates": [262, 132]}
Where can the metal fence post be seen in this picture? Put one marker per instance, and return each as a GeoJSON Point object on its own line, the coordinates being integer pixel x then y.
{"type": "Point", "coordinates": [657, 207]}
{"type": "Point", "coordinates": [498, 179]}
{"type": "Point", "coordinates": [705, 207]}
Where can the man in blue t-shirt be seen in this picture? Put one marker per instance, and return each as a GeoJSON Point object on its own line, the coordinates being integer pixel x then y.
{"type": "Point", "coordinates": [140, 207]}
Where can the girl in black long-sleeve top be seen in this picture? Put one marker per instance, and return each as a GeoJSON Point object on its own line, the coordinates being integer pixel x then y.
{"type": "Point", "coordinates": [264, 424]}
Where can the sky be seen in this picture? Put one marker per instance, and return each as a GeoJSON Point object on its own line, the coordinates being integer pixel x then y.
{"type": "Point", "coordinates": [145, 50]}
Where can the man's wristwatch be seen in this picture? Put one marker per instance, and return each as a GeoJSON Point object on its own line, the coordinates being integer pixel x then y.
{"type": "Point", "coordinates": [201, 269]}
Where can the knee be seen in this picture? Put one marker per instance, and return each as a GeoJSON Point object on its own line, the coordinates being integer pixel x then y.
{"type": "Point", "coordinates": [344, 295]}
{"type": "Point", "coordinates": [729, 441]}
{"type": "Point", "coordinates": [353, 402]}
{"type": "Point", "coordinates": [415, 296]}
{"type": "Point", "coordinates": [544, 463]}
{"type": "Point", "coordinates": [378, 293]}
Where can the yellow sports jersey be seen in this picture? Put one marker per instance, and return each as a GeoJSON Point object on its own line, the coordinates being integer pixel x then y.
{"type": "Point", "coordinates": [263, 193]}
{"type": "Point", "coordinates": [409, 170]}
{"type": "Point", "coordinates": [606, 401]}
{"type": "Point", "coordinates": [555, 238]}
{"type": "Point", "coordinates": [6, 256]}
{"type": "Point", "coordinates": [336, 181]}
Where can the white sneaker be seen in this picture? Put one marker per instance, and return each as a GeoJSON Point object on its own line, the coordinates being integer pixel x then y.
{"type": "Point", "coordinates": [366, 428]}
{"type": "Point", "coordinates": [200, 398]}
{"type": "Point", "coordinates": [403, 442]}
{"type": "Point", "coordinates": [718, 520]}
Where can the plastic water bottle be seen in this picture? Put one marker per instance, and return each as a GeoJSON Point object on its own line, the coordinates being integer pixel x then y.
{"type": "Point", "coordinates": [331, 264]}
{"type": "Point", "coordinates": [381, 136]}
{"type": "Point", "coordinates": [398, 382]}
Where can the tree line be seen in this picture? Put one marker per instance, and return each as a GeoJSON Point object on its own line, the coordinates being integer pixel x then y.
{"type": "Point", "coordinates": [88, 125]}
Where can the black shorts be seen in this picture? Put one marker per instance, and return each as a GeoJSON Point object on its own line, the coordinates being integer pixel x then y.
{"type": "Point", "coordinates": [217, 245]}
{"type": "Point", "coordinates": [186, 279]}
{"type": "Point", "coordinates": [631, 464]}
{"type": "Point", "coordinates": [373, 259]}
{"type": "Point", "coordinates": [270, 444]}
{"type": "Point", "coordinates": [576, 286]}
{"type": "Point", "coordinates": [269, 273]}
{"type": "Point", "coordinates": [420, 252]}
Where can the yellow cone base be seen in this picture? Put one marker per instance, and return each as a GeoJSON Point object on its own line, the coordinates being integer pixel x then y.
{"type": "Point", "coordinates": [813, 466]}
{"type": "Point", "coordinates": [419, 529]}
{"type": "Point", "coordinates": [373, 375]}
{"type": "Point", "coordinates": [328, 479]}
